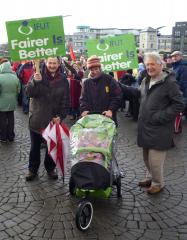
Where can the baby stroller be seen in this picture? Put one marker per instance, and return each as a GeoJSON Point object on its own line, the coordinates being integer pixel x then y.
{"type": "Point", "coordinates": [94, 167]}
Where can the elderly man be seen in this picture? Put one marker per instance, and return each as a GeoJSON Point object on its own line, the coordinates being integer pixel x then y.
{"type": "Point", "coordinates": [161, 101]}
{"type": "Point", "coordinates": [100, 92]}
{"type": "Point", "coordinates": [49, 101]}
{"type": "Point", "coordinates": [180, 69]}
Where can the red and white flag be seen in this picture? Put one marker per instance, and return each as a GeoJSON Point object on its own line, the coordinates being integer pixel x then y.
{"type": "Point", "coordinates": [57, 138]}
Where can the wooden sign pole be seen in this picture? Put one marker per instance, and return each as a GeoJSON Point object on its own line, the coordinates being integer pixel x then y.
{"type": "Point", "coordinates": [37, 65]}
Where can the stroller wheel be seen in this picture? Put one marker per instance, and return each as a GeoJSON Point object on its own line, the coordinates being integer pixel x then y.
{"type": "Point", "coordinates": [118, 184]}
{"type": "Point", "coordinates": [71, 186]}
{"type": "Point", "coordinates": [84, 215]}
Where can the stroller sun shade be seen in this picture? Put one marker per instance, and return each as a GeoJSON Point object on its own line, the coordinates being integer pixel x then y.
{"type": "Point", "coordinates": [90, 175]}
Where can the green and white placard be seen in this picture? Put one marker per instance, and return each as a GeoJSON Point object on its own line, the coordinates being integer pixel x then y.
{"type": "Point", "coordinates": [36, 38]}
{"type": "Point", "coordinates": [115, 53]}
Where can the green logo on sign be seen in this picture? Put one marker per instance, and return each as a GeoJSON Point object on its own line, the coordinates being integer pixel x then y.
{"type": "Point", "coordinates": [25, 29]}
{"type": "Point", "coordinates": [102, 46]}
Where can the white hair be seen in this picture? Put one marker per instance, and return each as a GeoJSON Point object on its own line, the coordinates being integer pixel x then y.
{"type": "Point", "coordinates": [153, 55]}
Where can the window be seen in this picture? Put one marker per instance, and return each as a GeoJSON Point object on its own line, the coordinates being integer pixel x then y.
{"type": "Point", "coordinates": [176, 41]}
{"type": "Point", "coordinates": [177, 33]}
{"type": "Point", "coordinates": [79, 44]}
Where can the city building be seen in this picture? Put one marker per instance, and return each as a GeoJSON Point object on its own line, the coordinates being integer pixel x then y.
{"type": "Point", "coordinates": [164, 43]}
{"type": "Point", "coordinates": [148, 40]}
{"type": "Point", "coordinates": [151, 40]}
{"type": "Point", "coordinates": [179, 37]}
{"type": "Point", "coordinates": [4, 50]}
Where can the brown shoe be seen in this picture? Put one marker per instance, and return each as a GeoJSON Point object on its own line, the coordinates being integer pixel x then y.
{"type": "Point", "coordinates": [53, 175]}
{"type": "Point", "coordinates": [30, 176]}
{"type": "Point", "coordinates": [145, 183]}
{"type": "Point", "coordinates": [154, 189]}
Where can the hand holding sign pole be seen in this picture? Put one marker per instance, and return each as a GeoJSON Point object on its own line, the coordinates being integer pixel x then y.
{"type": "Point", "coordinates": [116, 75]}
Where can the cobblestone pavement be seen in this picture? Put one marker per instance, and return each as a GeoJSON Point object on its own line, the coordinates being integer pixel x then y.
{"type": "Point", "coordinates": [43, 209]}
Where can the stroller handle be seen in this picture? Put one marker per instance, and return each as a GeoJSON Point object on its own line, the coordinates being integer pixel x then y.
{"type": "Point", "coordinates": [95, 112]}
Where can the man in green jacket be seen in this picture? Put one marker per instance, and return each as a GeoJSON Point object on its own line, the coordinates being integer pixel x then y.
{"type": "Point", "coordinates": [9, 89]}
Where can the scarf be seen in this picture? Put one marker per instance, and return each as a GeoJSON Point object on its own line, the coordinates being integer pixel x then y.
{"type": "Point", "coordinates": [52, 79]}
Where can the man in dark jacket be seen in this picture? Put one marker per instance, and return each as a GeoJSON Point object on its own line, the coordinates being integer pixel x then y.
{"type": "Point", "coordinates": [180, 69]}
{"type": "Point", "coordinates": [49, 101]}
{"type": "Point", "coordinates": [100, 92]}
{"type": "Point", "coordinates": [161, 101]}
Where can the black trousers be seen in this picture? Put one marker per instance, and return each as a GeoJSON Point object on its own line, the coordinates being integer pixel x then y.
{"type": "Point", "coordinates": [34, 156]}
{"type": "Point", "coordinates": [7, 125]}
{"type": "Point", "coordinates": [132, 95]}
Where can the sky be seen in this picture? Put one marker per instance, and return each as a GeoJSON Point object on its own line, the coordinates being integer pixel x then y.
{"type": "Point", "coordinates": [138, 14]}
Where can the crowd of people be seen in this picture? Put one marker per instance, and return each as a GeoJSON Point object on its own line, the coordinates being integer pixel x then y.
{"type": "Point", "coordinates": [62, 88]}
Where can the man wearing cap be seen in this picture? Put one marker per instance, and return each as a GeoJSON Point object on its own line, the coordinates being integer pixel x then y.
{"type": "Point", "coordinates": [100, 92]}
{"type": "Point", "coordinates": [180, 69]}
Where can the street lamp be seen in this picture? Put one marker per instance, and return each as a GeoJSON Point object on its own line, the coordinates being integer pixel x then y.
{"type": "Point", "coordinates": [157, 35]}
{"type": "Point", "coordinates": [66, 16]}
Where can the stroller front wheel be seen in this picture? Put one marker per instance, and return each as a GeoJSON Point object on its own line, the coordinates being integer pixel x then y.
{"type": "Point", "coordinates": [84, 215]}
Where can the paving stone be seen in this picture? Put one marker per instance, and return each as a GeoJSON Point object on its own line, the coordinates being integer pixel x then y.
{"type": "Point", "coordinates": [58, 234]}
{"type": "Point", "coordinates": [132, 224]}
{"type": "Point", "coordinates": [9, 223]}
{"type": "Point", "coordinates": [38, 233]}
{"type": "Point", "coordinates": [3, 235]}
{"type": "Point", "coordinates": [48, 234]}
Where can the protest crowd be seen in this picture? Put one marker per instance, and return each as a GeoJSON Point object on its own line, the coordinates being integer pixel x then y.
{"type": "Point", "coordinates": [147, 88]}
{"type": "Point", "coordinates": [79, 95]}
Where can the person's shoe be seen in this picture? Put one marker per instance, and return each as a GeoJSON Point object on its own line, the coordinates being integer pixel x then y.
{"type": "Point", "coordinates": [53, 175]}
{"type": "Point", "coordinates": [127, 114]}
{"type": "Point", "coordinates": [3, 140]}
{"type": "Point", "coordinates": [145, 183]}
{"type": "Point", "coordinates": [11, 139]}
{"type": "Point", "coordinates": [30, 176]}
{"type": "Point", "coordinates": [154, 190]}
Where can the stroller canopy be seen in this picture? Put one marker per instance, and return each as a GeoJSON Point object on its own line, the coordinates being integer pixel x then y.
{"type": "Point", "coordinates": [93, 133]}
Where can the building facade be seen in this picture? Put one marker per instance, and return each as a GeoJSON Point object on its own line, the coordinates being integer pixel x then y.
{"type": "Point", "coordinates": [164, 43]}
{"type": "Point", "coordinates": [179, 37]}
{"type": "Point", "coordinates": [148, 40]}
